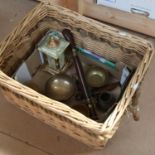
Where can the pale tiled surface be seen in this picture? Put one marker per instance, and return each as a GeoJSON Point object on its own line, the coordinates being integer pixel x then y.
{"type": "Point", "coordinates": [22, 134]}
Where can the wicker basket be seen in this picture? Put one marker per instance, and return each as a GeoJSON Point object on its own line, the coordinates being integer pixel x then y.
{"type": "Point", "coordinates": [105, 40]}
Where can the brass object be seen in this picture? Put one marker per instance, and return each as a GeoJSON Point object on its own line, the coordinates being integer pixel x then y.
{"type": "Point", "coordinates": [96, 77]}
{"type": "Point", "coordinates": [60, 87]}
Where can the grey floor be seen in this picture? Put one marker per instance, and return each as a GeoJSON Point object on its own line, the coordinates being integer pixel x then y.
{"type": "Point", "coordinates": [21, 134]}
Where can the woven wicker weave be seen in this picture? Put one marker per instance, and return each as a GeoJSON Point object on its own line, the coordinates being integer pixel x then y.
{"type": "Point", "coordinates": [95, 36]}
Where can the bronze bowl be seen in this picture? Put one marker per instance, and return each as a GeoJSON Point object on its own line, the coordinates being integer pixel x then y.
{"type": "Point", "coordinates": [96, 77]}
{"type": "Point", "coordinates": [60, 87]}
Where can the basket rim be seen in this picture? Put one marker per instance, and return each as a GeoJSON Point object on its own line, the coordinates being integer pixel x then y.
{"type": "Point", "coordinates": [84, 122]}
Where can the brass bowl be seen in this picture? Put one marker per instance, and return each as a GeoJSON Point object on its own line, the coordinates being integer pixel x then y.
{"type": "Point", "coordinates": [96, 77]}
{"type": "Point", "coordinates": [60, 87]}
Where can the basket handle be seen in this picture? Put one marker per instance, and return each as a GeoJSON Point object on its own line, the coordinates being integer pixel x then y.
{"type": "Point", "coordinates": [134, 106]}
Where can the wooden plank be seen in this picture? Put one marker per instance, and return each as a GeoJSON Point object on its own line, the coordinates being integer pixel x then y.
{"type": "Point", "coordinates": [71, 4]}
{"type": "Point", "coordinates": [127, 20]}
{"type": "Point", "coordinates": [57, 2]}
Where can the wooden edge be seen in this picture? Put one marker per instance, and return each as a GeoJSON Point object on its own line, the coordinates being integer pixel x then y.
{"type": "Point", "coordinates": [127, 20]}
{"type": "Point", "coordinates": [71, 4]}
